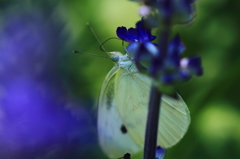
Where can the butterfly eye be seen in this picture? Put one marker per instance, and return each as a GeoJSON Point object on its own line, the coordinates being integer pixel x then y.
{"type": "Point", "coordinates": [123, 129]}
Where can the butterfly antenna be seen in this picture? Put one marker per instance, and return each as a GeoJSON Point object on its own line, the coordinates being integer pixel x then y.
{"type": "Point", "coordinates": [124, 47]}
{"type": "Point", "coordinates": [75, 51]}
{"type": "Point", "coordinates": [101, 47]}
{"type": "Point", "coordinates": [101, 44]}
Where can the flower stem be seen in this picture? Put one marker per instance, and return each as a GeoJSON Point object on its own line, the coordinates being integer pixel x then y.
{"type": "Point", "coordinates": [163, 41]}
{"type": "Point", "coordinates": [152, 123]}
{"type": "Point", "coordinates": [155, 101]}
{"type": "Point", "coordinates": [149, 1]}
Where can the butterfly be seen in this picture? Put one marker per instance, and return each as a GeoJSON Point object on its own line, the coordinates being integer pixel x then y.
{"type": "Point", "coordinates": [123, 108]}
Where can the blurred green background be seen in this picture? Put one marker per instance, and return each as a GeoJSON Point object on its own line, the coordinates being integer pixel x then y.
{"type": "Point", "coordinates": [213, 99]}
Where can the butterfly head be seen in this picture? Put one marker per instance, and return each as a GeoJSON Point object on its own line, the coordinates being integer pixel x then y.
{"type": "Point", "coordinates": [115, 56]}
{"type": "Point", "coordinates": [123, 61]}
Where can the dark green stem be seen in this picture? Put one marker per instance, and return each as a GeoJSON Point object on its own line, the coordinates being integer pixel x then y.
{"type": "Point", "coordinates": [152, 123]}
{"type": "Point", "coordinates": [155, 102]}
{"type": "Point", "coordinates": [149, 2]}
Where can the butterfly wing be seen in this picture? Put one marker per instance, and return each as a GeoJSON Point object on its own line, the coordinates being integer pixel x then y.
{"type": "Point", "coordinates": [113, 138]}
{"type": "Point", "coordinates": [132, 96]}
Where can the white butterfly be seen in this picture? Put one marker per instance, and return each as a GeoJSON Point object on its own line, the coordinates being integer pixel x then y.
{"type": "Point", "coordinates": [122, 111]}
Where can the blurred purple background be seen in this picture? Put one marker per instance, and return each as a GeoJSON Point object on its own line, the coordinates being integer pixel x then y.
{"type": "Point", "coordinates": [38, 117]}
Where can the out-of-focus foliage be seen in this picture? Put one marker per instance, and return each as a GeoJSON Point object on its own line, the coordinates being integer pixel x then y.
{"type": "Point", "coordinates": [48, 94]}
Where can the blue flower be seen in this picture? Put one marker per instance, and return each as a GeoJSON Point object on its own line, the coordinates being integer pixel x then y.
{"type": "Point", "coordinates": [140, 40]}
{"type": "Point", "coordinates": [160, 152]}
{"type": "Point", "coordinates": [174, 68]}
{"type": "Point", "coordinates": [166, 69]}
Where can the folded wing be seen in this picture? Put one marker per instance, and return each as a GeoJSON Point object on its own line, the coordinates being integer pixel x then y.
{"type": "Point", "coordinates": [113, 136]}
{"type": "Point", "coordinates": [132, 96]}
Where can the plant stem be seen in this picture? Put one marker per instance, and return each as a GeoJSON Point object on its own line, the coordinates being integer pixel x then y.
{"type": "Point", "coordinates": [155, 101]}
{"type": "Point", "coordinates": [152, 123]}
{"type": "Point", "coordinates": [149, 1]}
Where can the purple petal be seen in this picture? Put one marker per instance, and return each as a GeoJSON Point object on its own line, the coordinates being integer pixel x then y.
{"type": "Point", "coordinates": [183, 75]}
{"type": "Point", "coordinates": [144, 33]}
{"type": "Point", "coordinates": [133, 35]}
{"type": "Point", "coordinates": [160, 152]}
{"type": "Point", "coordinates": [176, 46]}
{"type": "Point", "coordinates": [132, 49]}
{"type": "Point", "coordinates": [151, 48]}
{"type": "Point", "coordinates": [167, 79]}
{"type": "Point", "coordinates": [193, 65]}
{"type": "Point", "coordinates": [122, 33]}
{"type": "Point", "coordinates": [151, 37]}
